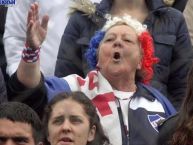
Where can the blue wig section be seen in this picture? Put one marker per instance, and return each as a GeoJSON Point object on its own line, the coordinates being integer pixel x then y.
{"type": "Point", "coordinates": [91, 53]}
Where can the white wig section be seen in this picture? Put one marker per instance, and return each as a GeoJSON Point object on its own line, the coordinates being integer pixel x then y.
{"type": "Point", "coordinates": [126, 19]}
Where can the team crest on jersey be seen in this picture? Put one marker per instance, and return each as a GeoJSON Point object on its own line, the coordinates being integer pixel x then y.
{"type": "Point", "coordinates": [154, 120]}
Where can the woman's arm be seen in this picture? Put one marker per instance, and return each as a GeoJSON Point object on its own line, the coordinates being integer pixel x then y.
{"type": "Point", "coordinates": [28, 73]}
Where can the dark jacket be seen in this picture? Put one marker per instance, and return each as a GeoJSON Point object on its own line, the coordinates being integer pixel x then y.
{"type": "Point", "coordinates": [180, 4]}
{"type": "Point", "coordinates": [166, 130]}
{"type": "Point", "coordinates": [3, 63]}
{"type": "Point", "coordinates": [141, 119]}
{"type": "Point", "coordinates": [3, 92]}
{"type": "Point", "coordinates": [3, 11]}
{"type": "Point", "coordinates": [36, 98]}
{"type": "Point", "coordinates": [171, 39]}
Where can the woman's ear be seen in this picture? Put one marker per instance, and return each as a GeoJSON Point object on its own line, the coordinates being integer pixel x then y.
{"type": "Point", "coordinates": [92, 132]}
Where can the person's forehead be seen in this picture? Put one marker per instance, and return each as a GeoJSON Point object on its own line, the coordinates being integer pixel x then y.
{"type": "Point", "coordinates": [68, 106]}
{"type": "Point", "coordinates": [15, 128]}
{"type": "Point", "coordinates": [121, 28]}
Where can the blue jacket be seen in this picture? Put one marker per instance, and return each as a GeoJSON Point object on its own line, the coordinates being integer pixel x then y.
{"type": "Point", "coordinates": [171, 39]}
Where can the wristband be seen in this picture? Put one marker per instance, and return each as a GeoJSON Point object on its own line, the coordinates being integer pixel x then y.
{"type": "Point", "coordinates": [30, 55]}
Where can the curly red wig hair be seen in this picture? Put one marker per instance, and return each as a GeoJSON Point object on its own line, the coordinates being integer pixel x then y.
{"type": "Point", "coordinates": [149, 58]}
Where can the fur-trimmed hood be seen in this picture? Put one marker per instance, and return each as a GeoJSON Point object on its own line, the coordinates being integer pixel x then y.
{"type": "Point", "coordinates": [85, 6]}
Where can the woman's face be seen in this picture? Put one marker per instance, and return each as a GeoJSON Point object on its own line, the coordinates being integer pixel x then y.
{"type": "Point", "coordinates": [119, 51]}
{"type": "Point", "coordinates": [69, 124]}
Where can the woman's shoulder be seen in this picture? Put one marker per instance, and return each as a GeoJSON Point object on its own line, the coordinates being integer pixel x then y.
{"type": "Point", "coordinates": [169, 123]}
{"type": "Point", "coordinates": [166, 129]}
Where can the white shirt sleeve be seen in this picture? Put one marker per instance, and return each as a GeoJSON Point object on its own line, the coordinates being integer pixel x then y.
{"type": "Point", "coordinates": [15, 33]}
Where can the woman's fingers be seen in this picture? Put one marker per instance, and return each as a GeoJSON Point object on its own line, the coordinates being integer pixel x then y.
{"type": "Point", "coordinates": [29, 26]}
{"type": "Point", "coordinates": [29, 33]}
{"type": "Point", "coordinates": [36, 11]}
{"type": "Point", "coordinates": [29, 17]}
{"type": "Point", "coordinates": [44, 22]}
{"type": "Point", "coordinates": [36, 32]}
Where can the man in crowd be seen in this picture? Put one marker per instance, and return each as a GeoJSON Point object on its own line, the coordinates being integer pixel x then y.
{"type": "Point", "coordinates": [19, 124]}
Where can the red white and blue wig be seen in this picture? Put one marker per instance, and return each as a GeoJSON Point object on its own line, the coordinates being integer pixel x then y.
{"type": "Point", "coordinates": [145, 39]}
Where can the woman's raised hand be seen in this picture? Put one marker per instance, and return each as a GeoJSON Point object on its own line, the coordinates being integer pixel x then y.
{"type": "Point", "coordinates": [36, 30]}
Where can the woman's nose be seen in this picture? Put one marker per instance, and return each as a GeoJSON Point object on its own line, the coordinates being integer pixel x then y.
{"type": "Point", "coordinates": [10, 142]}
{"type": "Point", "coordinates": [66, 126]}
{"type": "Point", "coordinates": [117, 43]}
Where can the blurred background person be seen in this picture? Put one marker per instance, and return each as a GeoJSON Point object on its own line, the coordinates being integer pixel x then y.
{"type": "Point", "coordinates": [178, 130]}
{"type": "Point", "coordinates": [15, 32]}
{"type": "Point", "coordinates": [3, 64]}
{"type": "Point", "coordinates": [179, 4]}
{"type": "Point", "coordinates": [3, 76]}
{"type": "Point", "coordinates": [3, 91]}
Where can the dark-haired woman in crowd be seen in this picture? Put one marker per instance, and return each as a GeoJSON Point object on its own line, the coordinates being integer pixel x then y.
{"type": "Point", "coordinates": [72, 118]}
{"type": "Point", "coordinates": [178, 130]}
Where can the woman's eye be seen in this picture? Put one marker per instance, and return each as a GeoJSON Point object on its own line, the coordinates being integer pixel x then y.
{"type": "Point", "coordinates": [21, 140]}
{"type": "Point", "coordinates": [2, 139]}
{"type": "Point", "coordinates": [75, 120]}
{"type": "Point", "coordinates": [58, 121]}
{"type": "Point", "coordinates": [127, 40]}
{"type": "Point", "coordinates": [109, 39]}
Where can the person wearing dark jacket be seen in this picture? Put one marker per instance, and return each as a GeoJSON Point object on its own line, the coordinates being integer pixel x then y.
{"type": "Point", "coordinates": [166, 25]}
{"type": "Point", "coordinates": [3, 63]}
{"type": "Point", "coordinates": [178, 130]}
{"type": "Point", "coordinates": [122, 54]}
{"type": "Point", "coordinates": [180, 4]}
{"type": "Point", "coordinates": [3, 91]}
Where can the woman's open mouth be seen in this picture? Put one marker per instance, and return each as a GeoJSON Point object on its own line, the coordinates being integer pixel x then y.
{"type": "Point", "coordinates": [66, 141]}
{"type": "Point", "coordinates": [116, 56]}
